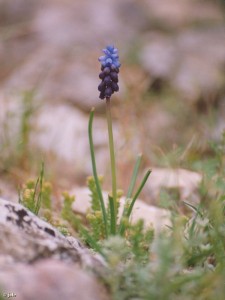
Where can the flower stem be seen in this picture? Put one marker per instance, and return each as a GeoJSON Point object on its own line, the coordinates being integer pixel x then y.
{"type": "Point", "coordinates": [98, 187]}
{"type": "Point", "coordinates": [113, 164]}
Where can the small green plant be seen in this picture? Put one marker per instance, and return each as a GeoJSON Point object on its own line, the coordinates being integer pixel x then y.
{"type": "Point", "coordinates": [67, 213]}
{"type": "Point", "coordinates": [185, 262]}
{"type": "Point", "coordinates": [36, 193]}
{"type": "Point", "coordinates": [103, 219]}
{"type": "Point", "coordinates": [108, 217]}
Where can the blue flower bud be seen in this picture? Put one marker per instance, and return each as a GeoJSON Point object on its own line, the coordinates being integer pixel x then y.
{"type": "Point", "coordinates": [101, 86]}
{"type": "Point", "coordinates": [114, 86]}
{"type": "Point", "coordinates": [108, 92]}
{"type": "Point", "coordinates": [108, 61]}
{"type": "Point", "coordinates": [106, 70]}
{"type": "Point", "coordinates": [102, 75]}
{"type": "Point", "coordinates": [110, 68]}
{"type": "Point", "coordinates": [114, 76]}
{"type": "Point", "coordinates": [107, 80]}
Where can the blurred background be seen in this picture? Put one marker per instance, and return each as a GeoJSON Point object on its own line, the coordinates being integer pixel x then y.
{"type": "Point", "coordinates": [171, 101]}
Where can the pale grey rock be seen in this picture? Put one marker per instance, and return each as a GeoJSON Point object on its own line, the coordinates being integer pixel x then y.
{"type": "Point", "coordinates": [26, 238]}
{"type": "Point", "coordinates": [57, 76]}
{"type": "Point", "coordinates": [38, 262]}
{"type": "Point", "coordinates": [202, 61]}
{"type": "Point", "coordinates": [85, 23]}
{"type": "Point", "coordinates": [51, 280]}
{"type": "Point", "coordinates": [184, 181]}
{"type": "Point", "coordinates": [17, 11]}
{"type": "Point", "coordinates": [177, 14]}
{"type": "Point", "coordinates": [17, 37]}
{"type": "Point", "coordinates": [158, 57]}
{"type": "Point", "coordinates": [153, 216]}
{"type": "Point", "coordinates": [63, 131]}
{"type": "Point", "coordinates": [59, 131]}
{"type": "Point", "coordinates": [192, 61]}
{"type": "Point", "coordinates": [66, 40]}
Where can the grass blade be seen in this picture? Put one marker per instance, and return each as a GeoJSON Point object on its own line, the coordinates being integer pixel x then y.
{"type": "Point", "coordinates": [134, 176]}
{"type": "Point", "coordinates": [130, 189]}
{"type": "Point", "coordinates": [138, 193]}
{"type": "Point", "coordinates": [129, 210]}
{"type": "Point", "coordinates": [39, 199]}
{"type": "Point", "coordinates": [112, 216]}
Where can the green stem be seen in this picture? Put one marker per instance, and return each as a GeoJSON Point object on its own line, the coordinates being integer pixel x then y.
{"type": "Point", "coordinates": [39, 199]}
{"type": "Point", "coordinates": [130, 190]}
{"type": "Point", "coordinates": [129, 210]}
{"type": "Point", "coordinates": [138, 193]}
{"type": "Point", "coordinates": [112, 216]}
{"type": "Point", "coordinates": [134, 176]}
{"type": "Point", "coordinates": [98, 187]}
{"type": "Point", "coordinates": [112, 158]}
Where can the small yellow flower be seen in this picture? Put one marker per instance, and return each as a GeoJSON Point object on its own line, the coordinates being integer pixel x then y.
{"type": "Point", "coordinates": [98, 214]}
{"type": "Point", "coordinates": [30, 184]}
{"type": "Point", "coordinates": [47, 186]}
{"type": "Point", "coordinates": [28, 194]}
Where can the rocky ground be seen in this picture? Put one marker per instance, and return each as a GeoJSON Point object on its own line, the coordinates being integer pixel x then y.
{"type": "Point", "coordinates": [37, 262]}
{"type": "Point", "coordinates": [171, 99]}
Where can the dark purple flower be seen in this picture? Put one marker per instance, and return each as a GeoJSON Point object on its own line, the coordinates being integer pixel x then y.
{"type": "Point", "coordinates": [110, 68]}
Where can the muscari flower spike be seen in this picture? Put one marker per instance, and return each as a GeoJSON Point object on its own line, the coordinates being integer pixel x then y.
{"type": "Point", "coordinates": [109, 72]}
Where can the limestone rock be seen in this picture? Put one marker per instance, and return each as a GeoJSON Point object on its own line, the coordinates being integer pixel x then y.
{"type": "Point", "coordinates": [78, 23]}
{"type": "Point", "coordinates": [38, 262]}
{"type": "Point", "coordinates": [50, 279]}
{"type": "Point", "coordinates": [26, 238]}
{"type": "Point", "coordinates": [175, 14]}
{"type": "Point", "coordinates": [64, 41]}
{"type": "Point", "coordinates": [184, 181]}
{"type": "Point", "coordinates": [152, 215]}
{"type": "Point", "coordinates": [59, 133]}
{"type": "Point", "coordinates": [56, 78]}
{"type": "Point", "coordinates": [191, 61]}
{"type": "Point", "coordinates": [63, 131]}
